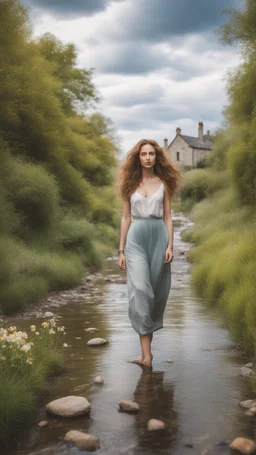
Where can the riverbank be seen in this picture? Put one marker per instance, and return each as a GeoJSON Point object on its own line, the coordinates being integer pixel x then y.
{"type": "Point", "coordinates": [224, 263]}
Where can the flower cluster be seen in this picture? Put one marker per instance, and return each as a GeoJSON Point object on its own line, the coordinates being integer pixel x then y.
{"type": "Point", "coordinates": [19, 348]}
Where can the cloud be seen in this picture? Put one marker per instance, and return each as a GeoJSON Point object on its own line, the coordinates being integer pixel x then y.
{"type": "Point", "coordinates": [156, 21]}
{"type": "Point", "coordinates": [158, 63]}
{"type": "Point", "coordinates": [73, 8]}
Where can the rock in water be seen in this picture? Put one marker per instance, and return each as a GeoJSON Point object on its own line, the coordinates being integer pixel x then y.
{"type": "Point", "coordinates": [244, 445]}
{"type": "Point", "coordinates": [83, 441]}
{"type": "Point", "coordinates": [98, 380]}
{"type": "Point", "coordinates": [128, 406]}
{"type": "Point", "coordinates": [154, 425]}
{"type": "Point", "coordinates": [96, 342]}
{"type": "Point", "coordinates": [43, 423]}
{"type": "Point", "coordinates": [91, 329]}
{"type": "Point", "coordinates": [69, 406]}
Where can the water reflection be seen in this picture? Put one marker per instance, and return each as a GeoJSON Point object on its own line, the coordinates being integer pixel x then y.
{"type": "Point", "coordinates": [156, 401]}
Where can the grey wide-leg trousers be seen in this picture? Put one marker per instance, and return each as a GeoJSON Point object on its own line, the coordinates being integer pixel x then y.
{"type": "Point", "coordinates": [148, 278]}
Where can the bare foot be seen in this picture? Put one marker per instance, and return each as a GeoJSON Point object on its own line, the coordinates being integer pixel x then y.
{"type": "Point", "coordinates": [147, 362]}
{"type": "Point", "coordinates": [140, 360]}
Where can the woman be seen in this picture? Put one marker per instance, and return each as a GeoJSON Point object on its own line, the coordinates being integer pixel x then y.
{"type": "Point", "coordinates": [147, 182]}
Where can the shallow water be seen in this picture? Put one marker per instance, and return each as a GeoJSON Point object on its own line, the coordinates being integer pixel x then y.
{"type": "Point", "coordinates": [197, 395]}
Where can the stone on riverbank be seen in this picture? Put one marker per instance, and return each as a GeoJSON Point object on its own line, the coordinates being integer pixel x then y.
{"type": "Point", "coordinates": [70, 406]}
{"type": "Point", "coordinates": [83, 441]}
{"type": "Point", "coordinates": [98, 380]}
{"type": "Point", "coordinates": [97, 342]}
{"type": "Point", "coordinates": [244, 445]}
{"type": "Point", "coordinates": [49, 314]}
{"type": "Point", "coordinates": [154, 425]}
{"type": "Point", "coordinates": [246, 371]}
{"type": "Point", "coordinates": [251, 412]}
{"type": "Point", "coordinates": [247, 403]}
{"type": "Point", "coordinates": [128, 406]}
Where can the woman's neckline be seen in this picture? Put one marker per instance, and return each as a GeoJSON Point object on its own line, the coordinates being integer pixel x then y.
{"type": "Point", "coordinates": [151, 194]}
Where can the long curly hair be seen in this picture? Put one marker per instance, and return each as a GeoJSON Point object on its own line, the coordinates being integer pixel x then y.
{"type": "Point", "coordinates": [131, 171]}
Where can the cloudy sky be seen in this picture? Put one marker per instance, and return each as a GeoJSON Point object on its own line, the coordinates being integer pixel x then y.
{"type": "Point", "coordinates": [158, 63]}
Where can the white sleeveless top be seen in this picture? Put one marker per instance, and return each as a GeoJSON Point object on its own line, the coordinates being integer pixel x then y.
{"type": "Point", "coordinates": [147, 207]}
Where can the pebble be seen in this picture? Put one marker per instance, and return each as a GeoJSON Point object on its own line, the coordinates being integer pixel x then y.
{"type": "Point", "coordinates": [97, 342]}
{"type": "Point", "coordinates": [91, 329]}
{"type": "Point", "coordinates": [43, 423]}
{"type": "Point", "coordinates": [154, 425]}
{"type": "Point", "coordinates": [98, 380]}
{"type": "Point", "coordinates": [70, 406]}
{"type": "Point", "coordinates": [83, 441]}
{"type": "Point", "coordinates": [243, 445]}
{"type": "Point", "coordinates": [128, 406]}
{"type": "Point", "coordinates": [168, 361]}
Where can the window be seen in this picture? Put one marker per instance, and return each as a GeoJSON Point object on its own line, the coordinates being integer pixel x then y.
{"type": "Point", "coordinates": [177, 156]}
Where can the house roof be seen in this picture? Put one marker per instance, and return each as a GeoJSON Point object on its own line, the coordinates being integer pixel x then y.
{"type": "Point", "coordinates": [198, 143]}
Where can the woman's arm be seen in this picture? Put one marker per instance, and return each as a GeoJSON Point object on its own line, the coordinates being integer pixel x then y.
{"type": "Point", "coordinates": [125, 224]}
{"type": "Point", "coordinates": [169, 223]}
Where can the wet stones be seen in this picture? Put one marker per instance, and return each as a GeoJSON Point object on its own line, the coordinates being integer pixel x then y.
{"type": "Point", "coordinates": [243, 445]}
{"type": "Point", "coordinates": [91, 329]}
{"type": "Point", "coordinates": [97, 342]}
{"type": "Point", "coordinates": [70, 406]}
{"type": "Point", "coordinates": [155, 425]}
{"type": "Point", "coordinates": [83, 441]}
{"type": "Point", "coordinates": [128, 406]}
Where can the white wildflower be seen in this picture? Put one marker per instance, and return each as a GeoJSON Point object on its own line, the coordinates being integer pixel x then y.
{"type": "Point", "coordinates": [25, 347]}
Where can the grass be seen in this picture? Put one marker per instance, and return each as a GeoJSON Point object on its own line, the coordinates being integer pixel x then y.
{"type": "Point", "coordinates": [27, 360]}
{"type": "Point", "coordinates": [224, 258]}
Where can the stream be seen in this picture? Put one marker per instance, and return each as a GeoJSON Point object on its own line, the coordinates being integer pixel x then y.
{"type": "Point", "coordinates": [195, 385]}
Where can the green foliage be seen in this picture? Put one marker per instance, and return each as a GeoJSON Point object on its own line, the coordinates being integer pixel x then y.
{"type": "Point", "coordinates": [199, 183]}
{"type": "Point", "coordinates": [76, 88]}
{"type": "Point", "coordinates": [57, 165]}
{"type": "Point", "coordinates": [241, 111]}
{"type": "Point", "coordinates": [224, 261]}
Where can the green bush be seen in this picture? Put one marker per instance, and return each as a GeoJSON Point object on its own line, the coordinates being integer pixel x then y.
{"type": "Point", "coordinates": [200, 183]}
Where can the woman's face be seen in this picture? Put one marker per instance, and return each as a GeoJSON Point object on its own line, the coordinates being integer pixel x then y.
{"type": "Point", "coordinates": [147, 156]}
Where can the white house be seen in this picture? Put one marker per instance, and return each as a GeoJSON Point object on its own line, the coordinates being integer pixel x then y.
{"type": "Point", "coordinates": [187, 151]}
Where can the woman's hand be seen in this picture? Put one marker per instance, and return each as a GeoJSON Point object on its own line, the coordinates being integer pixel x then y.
{"type": "Point", "coordinates": [168, 255]}
{"type": "Point", "coordinates": [122, 261]}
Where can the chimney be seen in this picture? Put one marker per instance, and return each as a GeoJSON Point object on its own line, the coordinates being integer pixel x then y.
{"type": "Point", "coordinates": [200, 131]}
{"type": "Point", "coordinates": [165, 143]}
{"type": "Point", "coordinates": [178, 131]}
